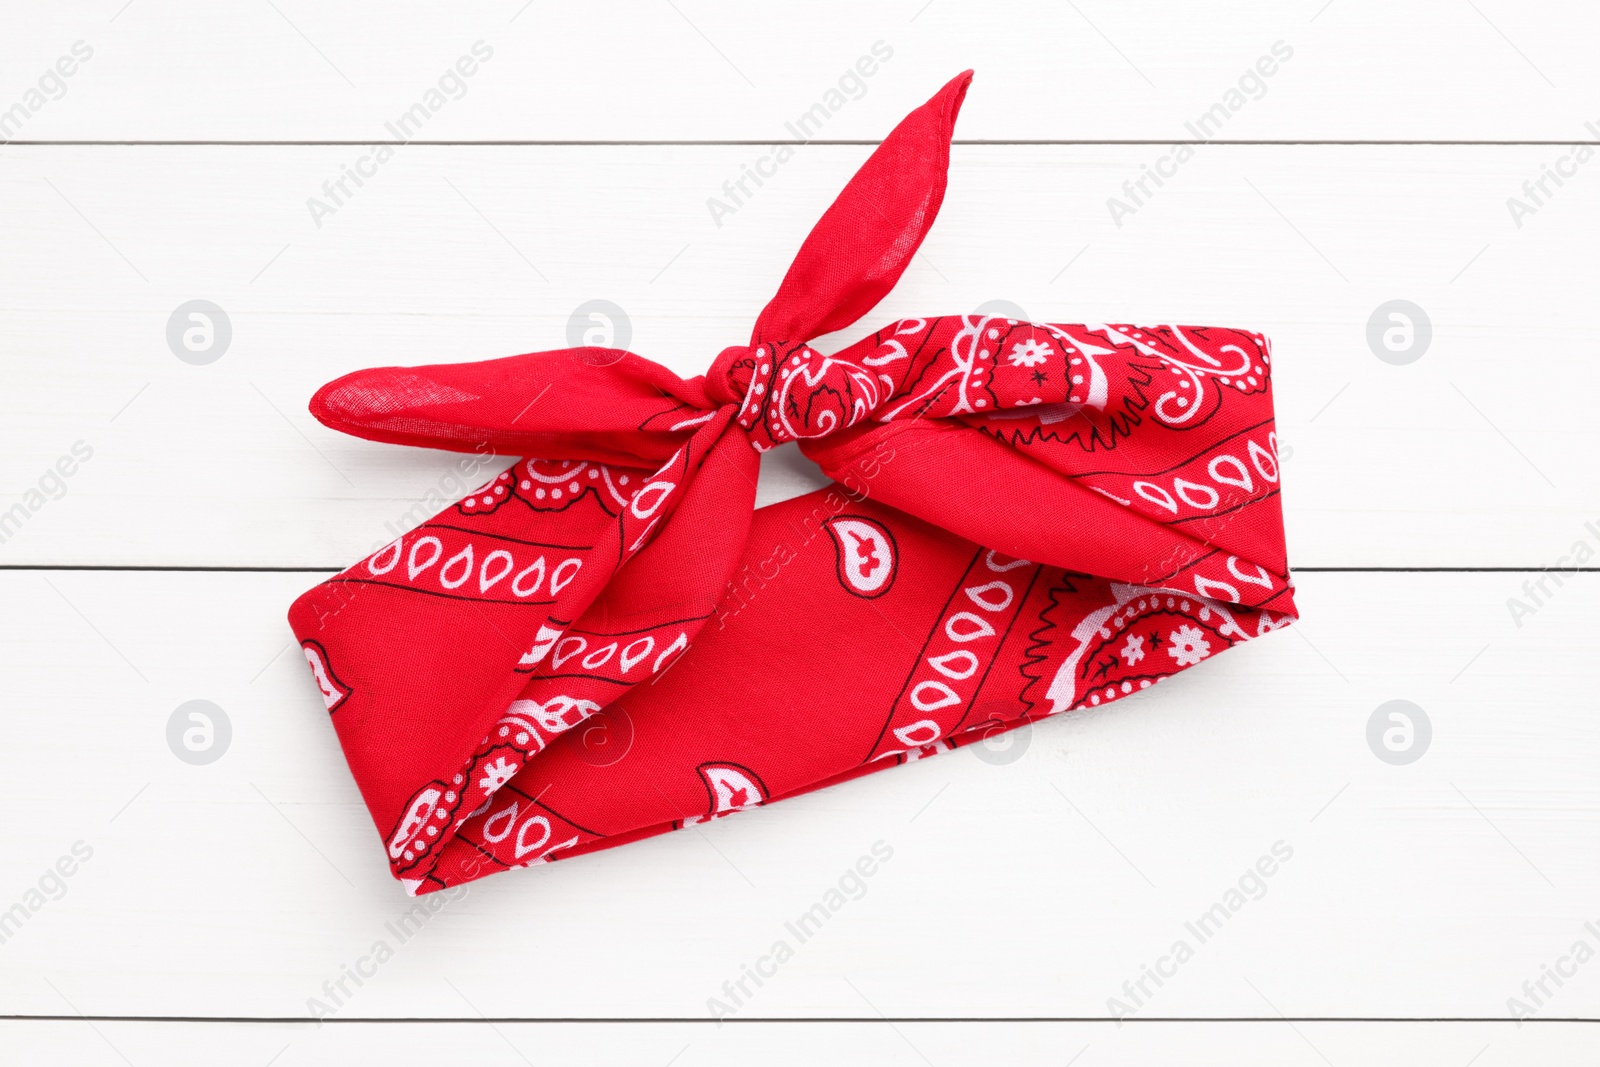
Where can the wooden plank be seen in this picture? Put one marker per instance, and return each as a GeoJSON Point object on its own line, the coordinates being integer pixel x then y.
{"type": "Point", "coordinates": [716, 69]}
{"type": "Point", "coordinates": [946, 1044]}
{"type": "Point", "coordinates": [1467, 457]}
{"type": "Point", "coordinates": [246, 886]}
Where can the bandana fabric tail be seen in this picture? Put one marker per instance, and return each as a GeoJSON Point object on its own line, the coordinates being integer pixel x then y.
{"type": "Point", "coordinates": [606, 642]}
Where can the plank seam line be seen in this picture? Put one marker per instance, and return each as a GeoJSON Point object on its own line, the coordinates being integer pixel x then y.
{"type": "Point", "coordinates": [769, 1020]}
{"type": "Point", "coordinates": [977, 142]}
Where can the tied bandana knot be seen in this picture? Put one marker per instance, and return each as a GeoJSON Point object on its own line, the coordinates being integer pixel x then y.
{"type": "Point", "coordinates": [792, 392]}
{"type": "Point", "coordinates": [607, 640]}
{"type": "Point", "coordinates": [958, 365]}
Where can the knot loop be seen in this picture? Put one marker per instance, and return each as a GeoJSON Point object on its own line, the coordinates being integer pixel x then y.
{"type": "Point", "coordinates": [1122, 480]}
{"type": "Point", "coordinates": [788, 391]}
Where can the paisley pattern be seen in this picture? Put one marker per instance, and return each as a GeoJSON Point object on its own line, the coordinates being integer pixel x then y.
{"type": "Point", "coordinates": [867, 555]}
{"type": "Point", "coordinates": [334, 692]}
{"type": "Point", "coordinates": [554, 485]}
{"type": "Point", "coordinates": [1033, 518]}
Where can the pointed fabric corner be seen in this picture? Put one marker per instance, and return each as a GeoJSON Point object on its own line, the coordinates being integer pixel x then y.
{"type": "Point", "coordinates": [606, 641]}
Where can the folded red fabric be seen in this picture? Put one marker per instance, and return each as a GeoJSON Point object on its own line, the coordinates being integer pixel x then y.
{"type": "Point", "coordinates": [1028, 518]}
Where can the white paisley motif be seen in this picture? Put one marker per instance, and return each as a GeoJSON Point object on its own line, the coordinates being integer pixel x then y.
{"type": "Point", "coordinates": [966, 352]}
{"type": "Point", "coordinates": [807, 374]}
{"type": "Point", "coordinates": [1175, 407]}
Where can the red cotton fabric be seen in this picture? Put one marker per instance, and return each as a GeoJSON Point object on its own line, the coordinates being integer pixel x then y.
{"type": "Point", "coordinates": [606, 641]}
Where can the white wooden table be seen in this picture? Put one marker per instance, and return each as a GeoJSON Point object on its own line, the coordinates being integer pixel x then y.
{"type": "Point", "coordinates": [211, 907]}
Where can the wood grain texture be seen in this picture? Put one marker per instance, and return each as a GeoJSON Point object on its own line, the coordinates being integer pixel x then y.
{"type": "Point", "coordinates": [785, 1044]}
{"type": "Point", "coordinates": [720, 70]}
{"type": "Point", "coordinates": [1467, 457]}
{"type": "Point", "coordinates": [1036, 888]}
{"type": "Point", "coordinates": [1042, 888]}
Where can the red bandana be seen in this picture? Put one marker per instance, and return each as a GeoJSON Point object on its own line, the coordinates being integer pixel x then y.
{"type": "Point", "coordinates": [1029, 518]}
